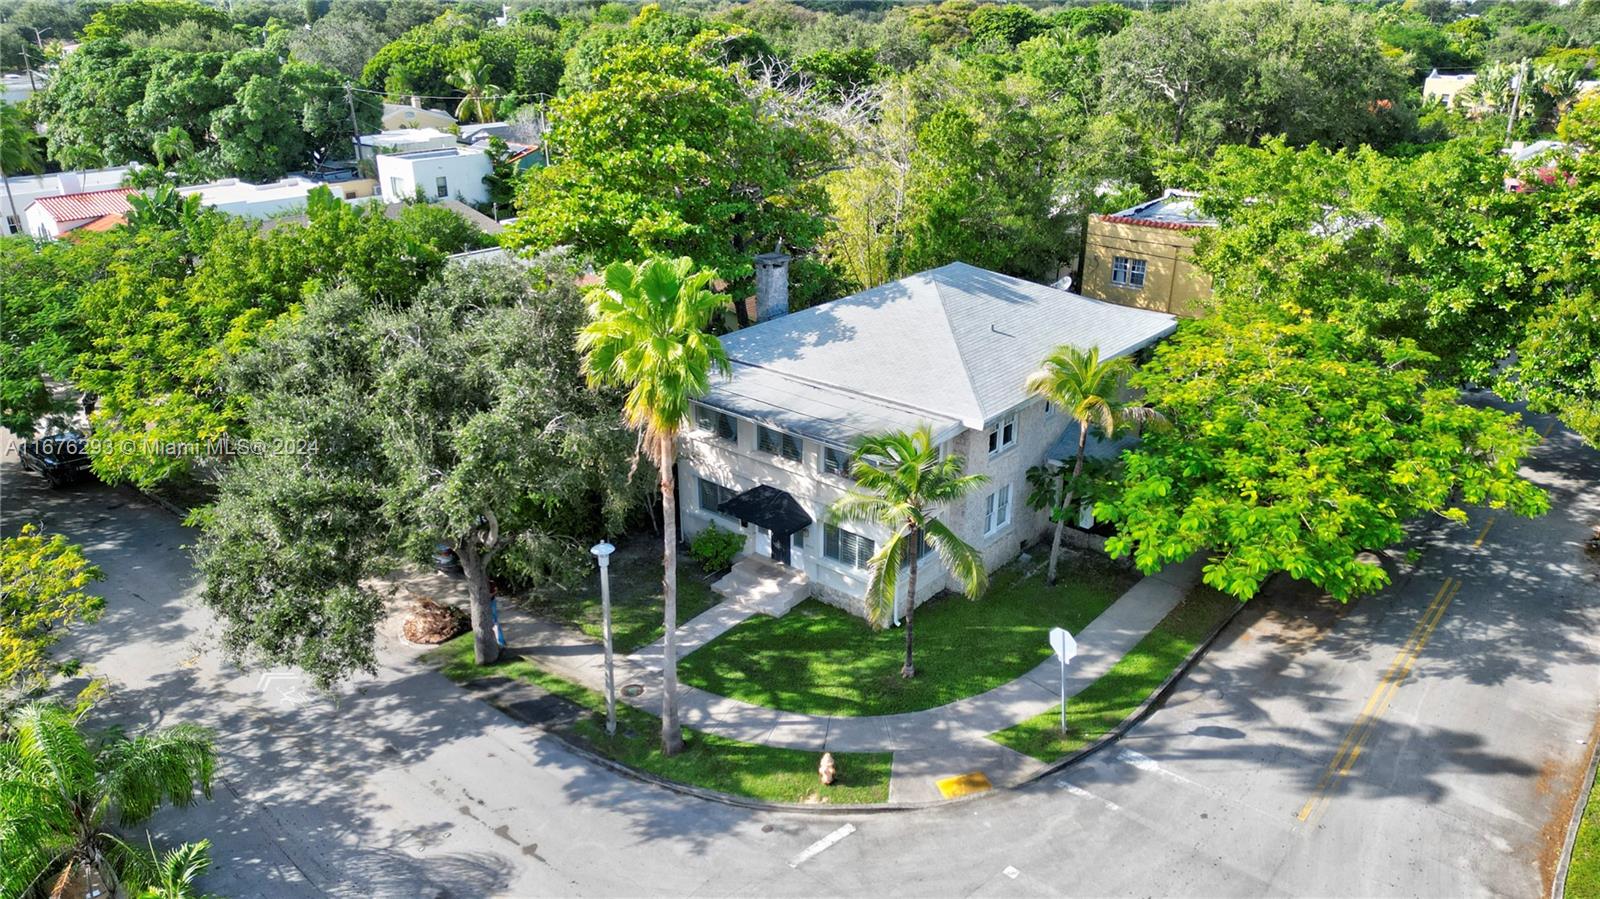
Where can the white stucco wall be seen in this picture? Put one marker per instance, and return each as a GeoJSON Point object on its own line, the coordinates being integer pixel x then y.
{"type": "Point", "coordinates": [702, 454]}
{"type": "Point", "coordinates": [399, 175]}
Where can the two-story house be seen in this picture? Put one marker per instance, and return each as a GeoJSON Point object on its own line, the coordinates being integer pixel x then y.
{"type": "Point", "coordinates": [768, 449]}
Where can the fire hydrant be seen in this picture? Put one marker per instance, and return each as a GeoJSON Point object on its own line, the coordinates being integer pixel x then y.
{"type": "Point", "coordinates": [826, 769]}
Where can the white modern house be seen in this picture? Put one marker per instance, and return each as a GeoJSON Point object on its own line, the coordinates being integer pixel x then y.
{"type": "Point", "coordinates": [442, 174]}
{"type": "Point", "coordinates": [258, 201]}
{"type": "Point", "coordinates": [767, 450]}
{"type": "Point", "coordinates": [22, 190]}
{"type": "Point", "coordinates": [404, 140]}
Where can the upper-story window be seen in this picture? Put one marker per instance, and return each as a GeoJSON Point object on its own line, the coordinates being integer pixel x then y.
{"type": "Point", "coordinates": [1003, 434]}
{"type": "Point", "coordinates": [836, 461]}
{"type": "Point", "coordinates": [719, 423]}
{"type": "Point", "coordinates": [441, 186]}
{"type": "Point", "coordinates": [997, 510]}
{"type": "Point", "coordinates": [1127, 272]}
{"type": "Point", "coordinates": [778, 443]}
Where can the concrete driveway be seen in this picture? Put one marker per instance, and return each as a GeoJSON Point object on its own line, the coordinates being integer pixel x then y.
{"type": "Point", "coordinates": [1452, 780]}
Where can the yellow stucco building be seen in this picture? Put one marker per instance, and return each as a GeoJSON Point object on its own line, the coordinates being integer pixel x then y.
{"type": "Point", "coordinates": [1143, 256]}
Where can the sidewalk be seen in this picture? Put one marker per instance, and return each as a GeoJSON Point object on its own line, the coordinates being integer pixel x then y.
{"type": "Point", "coordinates": [928, 745]}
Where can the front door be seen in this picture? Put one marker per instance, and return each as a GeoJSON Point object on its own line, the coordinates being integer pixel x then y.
{"type": "Point", "coordinates": [780, 549]}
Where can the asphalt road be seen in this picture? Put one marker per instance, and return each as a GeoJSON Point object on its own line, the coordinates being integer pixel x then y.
{"type": "Point", "coordinates": [1425, 742]}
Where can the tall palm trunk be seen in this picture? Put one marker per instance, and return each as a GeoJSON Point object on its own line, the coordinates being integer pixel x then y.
{"type": "Point", "coordinates": [475, 570]}
{"type": "Point", "coordinates": [671, 735]}
{"type": "Point", "coordinates": [1065, 502]}
{"type": "Point", "coordinates": [908, 669]}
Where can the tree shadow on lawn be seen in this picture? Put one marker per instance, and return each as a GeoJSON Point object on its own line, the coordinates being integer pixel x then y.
{"type": "Point", "coordinates": [636, 604]}
{"type": "Point", "coordinates": [820, 660]}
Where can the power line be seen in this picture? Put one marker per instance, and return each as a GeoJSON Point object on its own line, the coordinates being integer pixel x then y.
{"type": "Point", "coordinates": [535, 98]}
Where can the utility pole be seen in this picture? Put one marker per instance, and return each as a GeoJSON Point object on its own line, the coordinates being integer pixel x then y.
{"type": "Point", "coordinates": [355, 130]}
{"type": "Point", "coordinates": [15, 216]}
{"type": "Point", "coordinates": [27, 61]}
{"type": "Point", "coordinates": [1516, 97]}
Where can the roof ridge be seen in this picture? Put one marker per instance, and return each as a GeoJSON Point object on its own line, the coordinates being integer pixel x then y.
{"type": "Point", "coordinates": [961, 352]}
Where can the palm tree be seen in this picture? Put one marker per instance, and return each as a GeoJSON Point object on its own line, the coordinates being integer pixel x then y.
{"type": "Point", "coordinates": [473, 80]}
{"type": "Point", "coordinates": [170, 875]}
{"type": "Point", "coordinates": [1094, 394]}
{"type": "Point", "coordinates": [58, 789]}
{"type": "Point", "coordinates": [171, 145]}
{"type": "Point", "coordinates": [903, 481]}
{"type": "Point", "coordinates": [648, 334]}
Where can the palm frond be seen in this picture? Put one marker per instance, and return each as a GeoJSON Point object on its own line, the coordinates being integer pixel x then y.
{"type": "Point", "coordinates": [959, 557]}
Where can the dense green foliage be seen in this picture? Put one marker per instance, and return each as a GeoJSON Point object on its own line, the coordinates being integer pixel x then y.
{"type": "Point", "coordinates": [454, 414]}
{"type": "Point", "coordinates": [144, 318]}
{"type": "Point", "coordinates": [43, 583]}
{"type": "Point", "coordinates": [1297, 445]}
{"type": "Point", "coordinates": [244, 110]}
{"type": "Point", "coordinates": [671, 153]}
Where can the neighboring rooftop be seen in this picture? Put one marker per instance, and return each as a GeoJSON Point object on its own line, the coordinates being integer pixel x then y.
{"type": "Point", "coordinates": [1173, 209]}
{"type": "Point", "coordinates": [404, 137]}
{"type": "Point", "coordinates": [949, 348]}
{"type": "Point", "coordinates": [232, 190]}
{"type": "Point", "coordinates": [70, 182]}
{"type": "Point", "coordinates": [438, 154]}
{"type": "Point", "coordinates": [86, 205]}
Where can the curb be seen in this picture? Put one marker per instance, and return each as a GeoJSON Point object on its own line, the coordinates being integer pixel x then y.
{"type": "Point", "coordinates": [1558, 884]}
{"type": "Point", "coordinates": [1144, 710]}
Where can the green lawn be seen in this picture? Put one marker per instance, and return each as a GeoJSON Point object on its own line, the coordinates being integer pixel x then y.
{"type": "Point", "coordinates": [635, 598]}
{"type": "Point", "coordinates": [1110, 700]}
{"type": "Point", "coordinates": [1583, 875]}
{"type": "Point", "coordinates": [729, 766]}
{"type": "Point", "coordinates": [820, 660]}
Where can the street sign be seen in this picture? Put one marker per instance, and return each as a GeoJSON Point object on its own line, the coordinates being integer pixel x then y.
{"type": "Point", "coordinates": [1065, 648]}
{"type": "Point", "coordinates": [1063, 644]}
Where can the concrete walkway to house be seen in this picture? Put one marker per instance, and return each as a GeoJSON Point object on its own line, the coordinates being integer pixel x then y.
{"type": "Point", "coordinates": [928, 745]}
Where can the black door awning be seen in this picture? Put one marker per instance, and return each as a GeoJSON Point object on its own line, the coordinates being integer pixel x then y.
{"type": "Point", "coordinates": [767, 507]}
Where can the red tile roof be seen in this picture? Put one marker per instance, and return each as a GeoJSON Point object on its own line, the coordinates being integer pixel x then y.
{"type": "Point", "coordinates": [1152, 223]}
{"type": "Point", "coordinates": [104, 223]}
{"type": "Point", "coordinates": [88, 205]}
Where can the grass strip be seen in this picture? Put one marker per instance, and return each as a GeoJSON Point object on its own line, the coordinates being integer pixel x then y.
{"type": "Point", "coordinates": [1583, 873]}
{"type": "Point", "coordinates": [1107, 702]}
{"type": "Point", "coordinates": [729, 766]}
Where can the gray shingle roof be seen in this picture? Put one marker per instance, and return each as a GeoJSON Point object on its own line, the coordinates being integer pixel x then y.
{"type": "Point", "coordinates": [948, 346]}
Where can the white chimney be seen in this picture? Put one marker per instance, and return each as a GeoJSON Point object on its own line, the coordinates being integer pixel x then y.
{"type": "Point", "coordinates": [772, 285]}
{"type": "Point", "coordinates": [416, 102]}
{"type": "Point", "coordinates": [69, 182]}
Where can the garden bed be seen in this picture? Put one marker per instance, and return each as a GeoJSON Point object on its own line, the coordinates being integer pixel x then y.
{"type": "Point", "coordinates": [820, 660]}
{"type": "Point", "coordinates": [1119, 693]}
{"type": "Point", "coordinates": [716, 763]}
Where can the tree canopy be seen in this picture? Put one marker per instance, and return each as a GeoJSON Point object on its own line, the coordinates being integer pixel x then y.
{"type": "Point", "coordinates": [1296, 446]}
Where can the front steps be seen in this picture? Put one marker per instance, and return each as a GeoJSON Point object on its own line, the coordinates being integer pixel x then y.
{"type": "Point", "coordinates": [763, 586]}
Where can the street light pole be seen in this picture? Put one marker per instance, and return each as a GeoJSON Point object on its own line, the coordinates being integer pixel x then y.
{"type": "Point", "coordinates": [602, 551]}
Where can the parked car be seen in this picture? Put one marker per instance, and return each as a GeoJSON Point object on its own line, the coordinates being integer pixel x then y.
{"type": "Point", "coordinates": [444, 559]}
{"type": "Point", "coordinates": [62, 458]}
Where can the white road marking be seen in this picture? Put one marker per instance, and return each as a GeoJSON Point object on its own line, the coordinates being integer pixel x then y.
{"type": "Point", "coordinates": [822, 844]}
{"type": "Point", "coordinates": [1081, 793]}
{"type": "Point", "coordinates": [1010, 871]}
{"type": "Point", "coordinates": [1146, 763]}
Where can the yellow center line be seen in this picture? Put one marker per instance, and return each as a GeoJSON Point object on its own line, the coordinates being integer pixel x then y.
{"type": "Point", "coordinates": [1340, 765]}
{"type": "Point", "coordinates": [1485, 532]}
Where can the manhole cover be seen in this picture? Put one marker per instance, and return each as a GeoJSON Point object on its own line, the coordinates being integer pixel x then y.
{"type": "Point", "coordinates": [631, 690]}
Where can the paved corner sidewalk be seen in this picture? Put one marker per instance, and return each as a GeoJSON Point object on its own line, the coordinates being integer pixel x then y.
{"type": "Point", "coordinates": [928, 745]}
